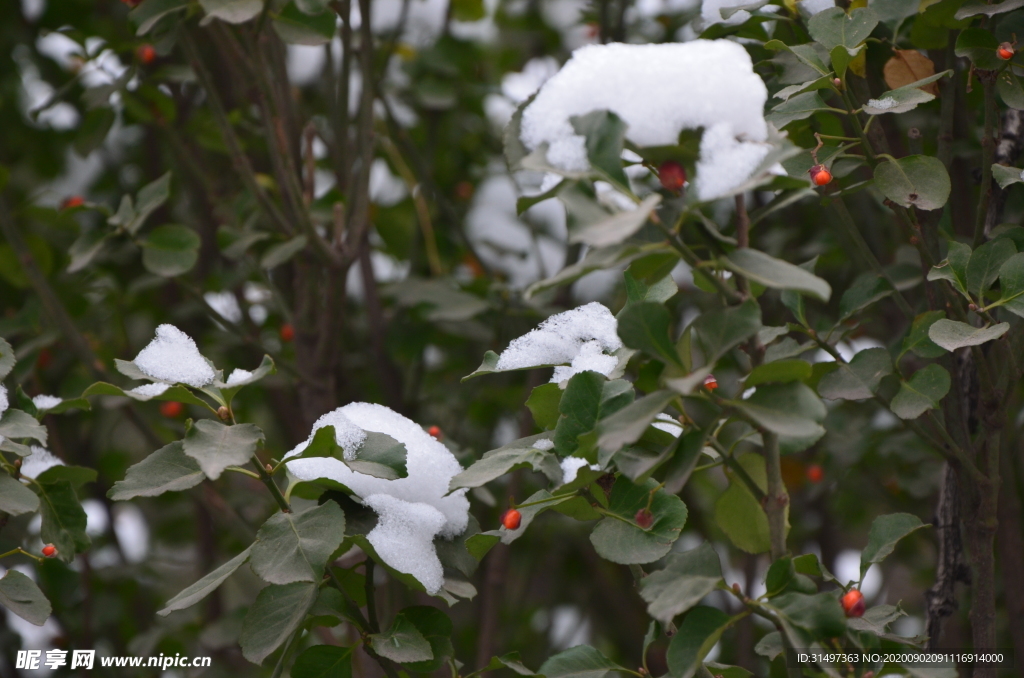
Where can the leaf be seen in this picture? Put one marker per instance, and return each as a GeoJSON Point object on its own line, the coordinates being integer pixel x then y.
{"type": "Point", "coordinates": [64, 519]}
{"type": "Point", "coordinates": [620, 540]}
{"type": "Point", "coordinates": [20, 595]}
{"type": "Point", "coordinates": [216, 446]}
{"type": "Point", "coordinates": [953, 334]}
{"type": "Point", "coordinates": [876, 619]}
{"type": "Point", "coordinates": [985, 262]}
{"type": "Point", "coordinates": [296, 28]}
{"type": "Point", "coordinates": [720, 330]}
{"type": "Point", "coordinates": [380, 456]}
{"type": "Point", "coordinates": [980, 46]}
{"type": "Point", "coordinates": [792, 409]}
{"type": "Point", "coordinates": [146, 15]}
{"type": "Point", "coordinates": [686, 578]}
{"type": "Point", "coordinates": [627, 425]}
{"type": "Point", "coordinates": [905, 98]}
{"type": "Point", "coordinates": [908, 66]}
{"type": "Point", "coordinates": [205, 586]}
{"type": "Point", "coordinates": [293, 547]}
{"type": "Point", "coordinates": [1011, 283]}
{"type": "Point", "coordinates": [282, 252]}
{"type": "Point", "coordinates": [231, 11]}
{"type": "Point", "coordinates": [149, 198]}
{"type": "Point", "coordinates": [76, 475]}
{"type": "Point", "coordinates": [738, 512]}
{"type": "Point", "coordinates": [580, 407]}
{"type": "Point", "coordinates": [276, 614]}
{"type": "Point", "coordinates": [93, 130]}
{"type": "Point", "coordinates": [436, 627]}
{"type": "Point", "coordinates": [806, 54]}
{"type": "Point", "coordinates": [15, 498]}
{"type": "Point", "coordinates": [581, 661]}
{"type": "Point", "coordinates": [917, 180]}
{"type": "Point", "coordinates": [16, 424]}
{"type": "Point", "coordinates": [1012, 93]}
{"type": "Point", "coordinates": [178, 394]}
{"type": "Point", "coordinates": [820, 614]}
{"type": "Point", "coordinates": [618, 227]}
{"type": "Point", "coordinates": [605, 133]}
{"type": "Point", "coordinates": [885, 532]}
{"type": "Point", "coordinates": [917, 339]}
{"type": "Point", "coordinates": [834, 27]}
{"type": "Point", "coordinates": [323, 661]}
{"type": "Point", "coordinates": [645, 326]}
{"type": "Point", "coordinates": [649, 288]}
{"type": "Point", "coordinates": [7, 359]}
{"type": "Point", "coordinates": [858, 379]}
{"type": "Point", "coordinates": [1007, 176]}
{"type": "Point", "coordinates": [766, 270]}
{"type": "Point", "coordinates": [868, 288]}
{"type": "Point", "coordinates": [978, 7]}
{"type": "Point", "coordinates": [497, 463]}
{"type": "Point", "coordinates": [923, 392]}
{"type": "Point", "coordinates": [809, 564]}
{"type": "Point", "coordinates": [267, 367]}
{"type": "Point", "coordinates": [543, 405]}
{"type": "Point", "coordinates": [402, 642]}
{"type": "Point", "coordinates": [596, 259]}
{"type": "Point", "coordinates": [698, 633]}
{"type": "Point", "coordinates": [780, 371]}
{"type": "Point", "coordinates": [954, 267]}
{"type": "Point", "coordinates": [796, 107]}
{"type": "Point", "coordinates": [170, 250]}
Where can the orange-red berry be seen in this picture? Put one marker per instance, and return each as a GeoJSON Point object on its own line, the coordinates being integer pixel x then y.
{"type": "Point", "coordinates": [49, 550]}
{"type": "Point", "coordinates": [815, 473]}
{"type": "Point", "coordinates": [72, 201]}
{"type": "Point", "coordinates": [44, 359]}
{"type": "Point", "coordinates": [511, 519]}
{"type": "Point", "coordinates": [644, 518]}
{"type": "Point", "coordinates": [287, 332]}
{"type": "Point", "coordinates": [435, 432]}
{"type": "Point", "coordinates": [146, 53]}
{"type": "Point", "coordinates": [710, 383]}
{"type": "Point", "coordinates": [672, 175]}
{"type": "Point", "coordinates": [820, 176]}
{"type": "Point", "coordinates": [1005, 51]}
{"type": "Point", "coordinates": [853, 603]}
{"type": "Point", "coordinates": [464, 190]}
{"type": "Point", "coordinates": [171, 409]}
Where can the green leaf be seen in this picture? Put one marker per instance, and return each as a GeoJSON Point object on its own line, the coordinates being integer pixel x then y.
{"type": "Point", "coordinates": [659, 290]}
{"type": "Point", "coordinates": [739, 514]}
{"type": "Point", "coordinates": [149, 198]}
{"type": "Point", "coordinates": [216, 446]}
{"type": "Point", "coordinates": [627, 425]}
{"type": "Point", "coordinates": [982, 7]}
{"type": "Point", "coordinates": [770, 645]}
{"type": "Point", "coordinates": [923, 392]}
{"type": "Point", "coordinates": [267, 367]}
{"type": "Point", "coordinates": [809, 564]}
{"type": "Point", "coordinates": [917, 180]}
{"type": "Point", "coordinates": [323, 661]}
{"type": "Point", "coordinates": [766, 270]}
{"type": "Point", "coordinates": [311, 6]}
{"type": "Point", "coordinates": [917, 338]}
{"type": "Point", "coordinates": [436, 627]}
{"type": "Point", "coordinates": [1007, 176]}
{"type": "Point", "coordinates": [276, 614]}
{"type": "Point", "coordinates": [858, 379]}
{"type": "Point", "coordinates": [797, 107]}
{"type": "Point", "coordinates": [170, 250]}
{"type": "Point", "coordinates": [205, 586]}
{"type": "Point", "coordinates": [980, 47]}
{"type": "Point", "coordinates": [720, 330]}
{"type": "Point", "coordinates": [954, 267]}
{"type": "Point", "coordinates": [76, 475]}
{"type": "Point", "coordinates": [621, 540]}
{"type": "Point", "coordinates": [780, 574]}
{"type": "Point", "coordinates": [231, 11]}
{"type": "Point", "coordinates": [15, 498]}
{"type": "Point", "coordinates": [468, 10]}
{"type": "Point", "coordinates": [820, 614]}
{"type": "Point", "coordinates": [868, 288]}
{"type": "Point", "coordinates": [93, 130]}
{"type": "Point", "coordinates": [792, 409]}
{"type": "Point", "coordinates": [7, 358]}
{"type": "Point", "coordinates": [645, 326]}
{"type": "Point", "coordinates": [877, 619]}
{"type": "Point", "coordinates": [380, 456]}
{"type": "Point", "coordinates": [146, 15]}
{"type": "Point", "coordinates": [296, 28]}
{"type": "Point", "coordinates": [596, 259]}
{"type": "Point", "coordinates": [903, 99]}
{"type": "Point", "coordinates": [580, 408]}
{"type": "Point", "coordinates": [605, 133]}
{"type": "Point", "coordinates": [834, 27]}
{"type": "Point", "coordinates": [780, 371]}
{"type": "Point", "coordinates": [686, 578]}
{"type": "Point", "coordinates": [507, 661]}
{"type": "Point", "coordinates": [293, 547]}
{"type": "Point", "coordinates": [63, 519]}
{"type": "Point", "coordinates": [15, 424]}
{"type": "Point", "coordinates": [543, 405]}
{"type": "Point", "coordinates": [282, 252]}
{"type": "Point", "coordinates": [581, 661]}
{"type": "Point", "coordinates": [497, 463]}
{"type": "Point", "coordinates": [985, 262]}
{"type": "Point", "coordinates": [617, 227]}
{"type": "Point", "coordinates": [1011, 283]}
{"type": "Point", "coordinates": [20, 595]}
{"type": "Point", "coordinates": [402, 642]}
{"type": "Point", "coordinates": [953, 334]}
{"type": "Point", "coordinates": [805, 53]}
{"type": "Point", "coordinates": [179, 394]}
{"type": "Point", "coordinates": [1012, 93]}
{"type": "Point", "coordinates": [698, 633]}
{"type": "Point", "coordinates": [885, 532]}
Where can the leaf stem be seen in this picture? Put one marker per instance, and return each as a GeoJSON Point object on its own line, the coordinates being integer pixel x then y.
{"type": "Point", "coordinates": [268, 480]}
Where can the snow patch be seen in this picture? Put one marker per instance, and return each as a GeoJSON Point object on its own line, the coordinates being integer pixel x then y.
{"type": "Point", "coordinates": [883, 104]}
{"type": "Point", "coordinates": [46, 402]}
{"type": "Point", "coordinates": [237, 376]}
{"type": "Point", "coordinates": [347, 435]}
{"type": "Point", "coordinates": [544, 444]}
{"type": "Point", "coordinates": [404, 538]}
{"type": "Point", "coordinates": [172, 356]}
{"type": "Point", "coordinates": [4, 403]}
{"type": "Point", "coordinates": [225, 304]}
{"type": "Point", "coordinates": [40, 460]}
{"type": "Point", "coordinates": [572, 465]}
{"type": "Point", "coordinates": [150, 390]}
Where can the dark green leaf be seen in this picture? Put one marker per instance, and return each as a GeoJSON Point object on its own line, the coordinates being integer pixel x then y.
{"type": "Point", "coordinates": [497, 463]}
{"type": "Point", "coordinates": [868, 288]}
{"type": "Point", "coordinates": [954, 267]}
{"type": "Point", "coordinates": [797, 107]}
{"type": "Point", "coordinates": [581, 661]}
{"type": "Point", "coordinates": [63, 519]}
{"type": "Point", "coordinates": [149, 198]}
{"type": "Point", "coordinates": [698, 633]}
{"type": "Point", "coordinates": [923, 392]}
{"type": "Point", "coordinates": [917, 180]}
{"type": "Point", "coordinates": [276, 614]}
{"type": "Point", "coordinates": [720, 330]}
{"type": "Point", "coordinates": [766, 270]}
{"type": "Point", "coordinates": [780, 371]}
{"type": "Point", "coordinates": [953, 334]}
{"type": "Point", "coordinates": [380, 456]}
{"type": "Point", "coordinates": [834, 27]}
{"type": "Point", "coordinates": [686, 578]}
{"type": "Point", "coordinates": [903, 99]}
{"type": "Point", "coordinates": [980, 46]}
{"type": "Point", "coordinates": [402, 642]}
{"type": "Point", "coordinates": [739, 514]}
{"type": "Point", "coordinates": [436, 627]}
{"type": "Point", "coordinates": [917, 338]}
{"type": "Point", "coordinates": [297, 28]}
{"type": "Point", "coordinates": [216, 446]}
{"type": "Point", "coordinates": [627, 425]}
{"type": "Point", "coordinates": [787, 409]}
{"type": "Point", "coordinates": [543, 405]}
{"type": "Point", "coordinates": [596, 259]}
{"type": "Point", "coordinates": [232, 11]}
{"type": "Point", "coordinates": [819, 614]}
{"type": "Point", "coordinates": [885, 532]}
{"type": "Point", "coordinates": [170, 250]}
{"type": "Point", "coordinates": [605, 133]}
{"type": "Point", "coordinates": [645, 326]}
{"type": "Point", "coordinates": [282, 252]}
{"type": "Point", "coordinates": [149, 12]}
{"type": "Point", "coordinates": [76, 475]}
{"type": "Point", "coordinates": [617, 227]}
{"type": "Point", "coordinates": [16, 424]}
{"type": "Point", "coordinates": [1011, 283]}
{"type": "Point", "coordinates": [293, 547]}
{"type": "Point", "coordinates": [858, 379]}
{"type": "Point", "coordinates": [93, 129]}
{"type": "Point", "coordinates": [620, 540]}
{"type": "Point", "coordinates": [985, 262]}
{"type": "Point", "coordinates": [15, 498]}
{"type": "Point", "coordinates": [7, 359]}
{"type": "Point", "coordinates": [1007, 176]}
{"type": "Point", "coordinates": [323, 661]}
{"type": "Point", "coordinates": [205, 586]}
{"type": "Point", "coordinates": [20, 595]}
{"type": "Point", "coordinates": [982, 7]}
{"type": "Point", "coordinates": [1012, 93]}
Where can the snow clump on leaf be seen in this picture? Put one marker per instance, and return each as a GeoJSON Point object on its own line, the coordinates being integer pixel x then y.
{"type": "Point", "coordinates": [150, 390]}
{"type": "Point", "coordinates": [238, 375]}
{"type": "Point", "coordinates": [659, 90]}
{"type": "Point", "coordinates": [40, 460]}
{"type": "Point", "coordinates": [172, 356]}
{"type": "Point", "coordinates": [572, 465]}
{"type": "Point", "coordinates": [46, 402]}
{"type": "Point", "coordinates": [3, 400]}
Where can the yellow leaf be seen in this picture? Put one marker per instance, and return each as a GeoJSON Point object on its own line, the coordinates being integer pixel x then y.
{"type": "Point", "coordinates": [907, 66]}
{"type": "Point", "coordinates": [858, 65]}
{"type": "Point", "coordinates": [857, 4]}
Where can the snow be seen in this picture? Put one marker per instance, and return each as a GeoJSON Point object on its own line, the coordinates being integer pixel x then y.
{"type": "Point", "coordinates": [572, 465]}
{"type": "Point", "coordinates": [580, 337]}
{"type": "Point", "coordinates": [410, 507]}
{"type": "Point", "coordinates": [225, 304]}
{"type": "Point", "coordinates": [348, 436]}
{"type": "Point", "coordinates": [1021, 178]}
{"type": "Point", "coordinates": [46, 402]}
{"type": "Point", "coordinates": [238, 375]}
{"type": "Point", "coordinates": [664, 422]}
{"type": "Point", "coordinates": [812, 7]}
{"type": "Point", "coordinates": [150, 390]}
{"type": "Point", "coordinates": [658, 90]}
{"type": "Point", "coordinates": [544, 444]}
{"type": "Point", "coordinates": [519, 87]}
{"type": "Point", "coordinates": [883, 104]}
{"type": "Point", "coordinates": [172, 356]}
{"type": "Point", "coordinates": [4, 404]}
{"type": "Point", "coordinates": [711, 11]}
{"type": "Point", "coordinates": [40, 460]}
{"type": "Point", "coordinates": [404, 538]}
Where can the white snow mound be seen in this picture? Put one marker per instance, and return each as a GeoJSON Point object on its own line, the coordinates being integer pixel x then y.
{"type": "Point", "coordinates": [404, 538]}
{"type": "Point", "coordinates": [4, 403]}
{"type": "Point", "coordinates": [150, 390]}
{"type": "Point", "coordinates": [658, 90]}
{"type": "Point", "coordinates": [46, 402]}
{"type": "Point", "coordinates": [172, 356]}
{"type": "Point", "coordinates": [237, 376]}
{"type": "Point", "coordinates": [572, 465]}
{"type": "Point", "coordinates": [40, 460]}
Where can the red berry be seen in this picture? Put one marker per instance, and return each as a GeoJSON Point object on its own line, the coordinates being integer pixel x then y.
{"type": "Point", "coordinates": [146, 53]}
{"type": "Point", "coordinates": [464, 190]}
{"type": "Point", "coordinates": [644, 518]}
{"type": "Point", "coordinates": [72, 201]}
{"type": "Point", "coordinates": [1005, 51]}
{"type": "Point", "coordinates": [171, 409]}
{"type": "Point", "coordinates": [710, 383]}
{"type": "Point", "coordinates": [820, 176]}
{"type": "Point", "coordinates": [511, 519]}
{"type": "Point", "coordinates": [672, 176]}
{"type": "Point", "coordinates": [44, 359]}
{"type": "Point", "coordinates": [49, 550]}
{"type": "Point", "coordinates": [815, 473]}
{"type": "Point", "coordinates": [435, 432]}
{"type": "Point", "coordinates": [287, 332]}
{"type": "Point", "coordinates": [853, 603]}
